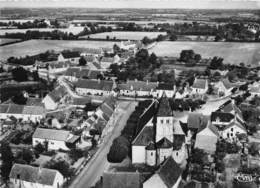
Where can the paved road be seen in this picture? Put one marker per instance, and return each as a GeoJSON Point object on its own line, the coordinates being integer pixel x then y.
{"type": "Point", "coordinates": [96, 166]}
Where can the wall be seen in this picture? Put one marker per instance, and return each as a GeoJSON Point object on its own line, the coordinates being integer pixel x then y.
{"type": "Point", "coordinates": [138, 154]}
{"type": "Point", "coordinates": [49, 104]}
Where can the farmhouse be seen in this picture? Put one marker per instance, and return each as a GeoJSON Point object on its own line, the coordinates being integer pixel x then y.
{"type": "Point", "coordinates": [168, 176]}
{"type": "Point", "coordinates": [55, 139]}
{"type": "Point", "coordinates": [73, 74]}
{"type": "Point", "coordinates": [26, 176]}
{"type": "Point", "coordinates": [224, 87]}
{"type": "Point", "coordinates": [200, 86]}
{"type": "Point", "coordinates": [232, 130]}
{"type": "Point", "coordinates": [169, 90]}
{"type": "Point", "coordinates": [94, 87]}
{"type": "Point", "coordinates": [137, 88]}
{"type": "Point", "coordinates": [97, 52]}
{"type": "Point", "coordinates": [53, 99]}
{"type": "Point", "coordinates": [24, 112]}
{"type": "Point", "coordinates": [71, 56]}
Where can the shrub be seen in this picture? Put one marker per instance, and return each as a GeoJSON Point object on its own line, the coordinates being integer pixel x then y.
{"type": "Point", "coordinates": [119, 150]}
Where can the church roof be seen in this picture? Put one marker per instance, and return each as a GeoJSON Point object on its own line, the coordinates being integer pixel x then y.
{"type": "Point", "coordinates": [151, 146]}
{"type": "Point", "coordinates": [144, 137]}
{"type": "Point", "coordinates": [164, 143]}
{"type": "Point", "coordinates": [164, 107]}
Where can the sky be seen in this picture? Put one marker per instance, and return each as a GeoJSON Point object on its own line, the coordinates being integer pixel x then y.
{"type": "Point", "coordinates": [196, 4]}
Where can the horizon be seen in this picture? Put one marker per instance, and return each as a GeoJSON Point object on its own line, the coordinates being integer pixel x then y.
{"type": "Point", "coordinates": [134, 4]}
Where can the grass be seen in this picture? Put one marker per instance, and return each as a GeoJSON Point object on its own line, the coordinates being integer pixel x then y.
{"type": "Point", "coordinates": [125, 35]}
{"type": "Point", "coordinates": [33, 47]}
{"type": "Point", "coordinates": [232, 52]}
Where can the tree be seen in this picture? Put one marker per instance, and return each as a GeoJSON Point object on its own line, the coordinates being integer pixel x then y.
{"type": "Point", "coordinates": [216, 63]}
{"type": "Point", "coordinates": [116, 48]}
{"type": "Point", "coordinates": [75, 154]}
{"type": "Point", "coordinates": [187, 55]}
{"type": "Point", "coordinates": [39, 148]}
{"type": "Point", "coordinates": [119, 150]}
{"type": "Point", "coordinates": [82, 61]}
{"type": "Point", "coordinates": [198, 156]}
{"type": "Point", "coordinates": [25, 155]}
{"type": "Point", "coordinates": [20, 74]}
{"type": "Point", "coordinates": [7, 160]}
{"type": "Point", "coordinates": [173, 37]}
{"type": "Point", "coordinates": [62, 166]}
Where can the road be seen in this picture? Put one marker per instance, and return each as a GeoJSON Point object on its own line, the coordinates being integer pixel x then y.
{"type": "Point", "coordinates": [96, 166]}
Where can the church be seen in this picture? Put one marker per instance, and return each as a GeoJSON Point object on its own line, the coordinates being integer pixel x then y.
{"type": "Point", "coordinates": [160, 138]}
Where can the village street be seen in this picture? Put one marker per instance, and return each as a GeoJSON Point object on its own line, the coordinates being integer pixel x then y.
{"type": "Point", "coordinates": [96, 166]}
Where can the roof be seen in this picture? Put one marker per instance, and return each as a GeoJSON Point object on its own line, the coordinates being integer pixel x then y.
{"type": "Point", "coordinates": [227, 83]}
{"type": "Point", "coordinates": [235, 123]}
{"type": "Point", "coordinates": [197, 121]}
{"type": "Point", "coordinates": [164, 86]}
{"type": "Point", "coordinates": [57, 94]}
{"type": "Point", "coordinates": [79, 72]}
{"type": "Point", "coordinates": [81, 101]}
{"type": "Point", "coordinates": [151, 146]}
{"type": "Point", "coordinates": [95, 84]}
{"type": "Point", "coordinates": [93, 50]}
{"type": "Point", "coordinates": [145, 137]}
{"type": "Point", "coordinates": [229, 107]}
{"type": "Point", "coordinates": [60, 64]}
{"type": "Point", "coordinates": [169, 172]}
{"type": "Point", "coordinates": [164, 143]}
{"type": "Point", "coordinates": [138, 86]}
{"type": "Point", "coordinates": [70, 54]}
{"type": "Point", "coordinates": [222, 116]}
{"type": "Point", "coordinates": [35, 110]}
{"type": "Point", "coordinates": [200, 83]}
{"type": "Point", "coordinates": [51, 134]}
{"type": "Point", "coordinates": [89, 58]}
{"type": "Point", "coordinates": [107, 59]}
{"type": "Point", "coordinates": [164, 107]}
{"type": "Point", "coordinates": [32, 174]}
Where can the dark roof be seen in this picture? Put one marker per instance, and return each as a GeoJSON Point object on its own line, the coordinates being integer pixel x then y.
{"type": "Point", "coordinates": [164, 86]}
{"type": "Point", "coordinates": [229, 107]}
{"type": "Point", "coordinates": [81, 101]}
{"type": "Point", "coordinates": [32, 174]}
{"type": "Point", "coordinates": [83, 72]}
{"type": "Point", "coordinates": [222, 116]}
{"type": "Point", "coordinates": [199, 83]}
{"type": "Point", "coordinates": [151, 146]}
{"type": "Point", "coordinates": [197, 121]}
{"type": "Point", "coordinates": [95, 84]}
{"type": "Point", "coordinates": [164, 143]}
{"type": "Point", "coordinates": [164, 107]}
{"type": "Point", "coordinates": [70, 54]}
{"type": "Point", "coordinates": [169, 172]}
{"type": "Point", "coordinates": [145, 137]}
{"type": "Point", "coordinates": [58, 93]}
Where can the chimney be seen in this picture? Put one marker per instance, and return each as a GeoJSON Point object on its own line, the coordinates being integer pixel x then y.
{"type": "Point", "coordinates": [135, 80]}
{"type": "Point", "coordinates": [147, 82]}
{"type": "Point", "coordinates": [99, 80]}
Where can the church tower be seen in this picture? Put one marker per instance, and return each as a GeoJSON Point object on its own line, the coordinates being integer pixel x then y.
{"type": "Point", "coordinates": [164, 123]}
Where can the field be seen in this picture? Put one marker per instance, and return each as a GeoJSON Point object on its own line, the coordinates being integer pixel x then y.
{"type": "Point", "coordinates": [6, 41]}
{"type": "Point", "coordinates": [33, 47]}
{"type": "Point", "coordinates": [72, 29]}
{"type": "Point", "coordinates": [128, 35]}
{"type": "Point", "coordinates": [232, 52]}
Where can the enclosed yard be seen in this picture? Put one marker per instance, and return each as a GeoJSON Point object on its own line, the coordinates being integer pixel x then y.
{"type": "Point", "coordinates": [33, 47]}
{"type": "Point", "coordinates": [7, 41]}
{"type": "Point", "coordinates": [232, 52]}
{"type": "Point", "coordinates": [125, 35]}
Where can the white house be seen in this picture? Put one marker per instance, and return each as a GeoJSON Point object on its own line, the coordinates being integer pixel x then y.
{"type": "Point", "coordinates": [232, 130]}
{"type": "Point", "coordinates": [71, 56]}
{"type": "Point", "coordinates": [86, 87]}
{"type": "Point", "coordinates": [24, 112]}
{"type": "Point", "coordinates": [224, 87]}
{"type": "Point", "coordinates": [168, 176]}
{"type": "Point", "coordinates": [55, 139]}
{"type": "Point", "coordinates": [26, 176]}
{"type": "Point", "coordinates": [53, 99]}
{"type": "Point", "coordinates": [200, 86]}
{"type": "Point", "coordinates": [169, 90]}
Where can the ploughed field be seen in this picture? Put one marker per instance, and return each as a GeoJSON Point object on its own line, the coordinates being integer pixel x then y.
{"type": "Point", "coordinates": [125, 35]}
{"type": "Point", "coordinates": [33, 47]}
{"type": "Point", "coordinates": [232, 52]}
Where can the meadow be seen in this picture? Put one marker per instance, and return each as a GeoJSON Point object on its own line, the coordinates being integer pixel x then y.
{"type": "Point", "coordinates": [6, 41]}
{"type": "Point", "coordinates": [125, 35]}
{"type": "Point", "coordinates": [33, 47]}
{"type": "Point", "coordinates": [232, 52]}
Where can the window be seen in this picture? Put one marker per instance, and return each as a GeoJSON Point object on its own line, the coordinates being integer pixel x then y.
{"type": "Point", "coordinates": [151, 153]}
{"type": "Point", "coordinates": [231, 134]}
{"type": "Point", "coordinates": [176, 153]}
{"type": "Point", "coordinates": [161, 120]}
{"type": "Point", "coordinates": [167, 121]}
{"type": "Point", "coordinates": [232, 129]}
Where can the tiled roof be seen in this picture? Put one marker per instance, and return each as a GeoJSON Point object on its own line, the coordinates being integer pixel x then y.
{"type": "Point", "coordinates": [51, 134]}
{"type": "Point", "coordinates": [197, 121]}
{"type": "Point", "coordinates": [199, 83]}
{"type": "Point", "coordinates": [145, 137]}
{"type": "Point", "coordinates": [95, 84]}
{"type": "Point", "coordinates": [32, 174]}
{"type": "Point", "coordinates": [164, 143]}
{"type": "Point", "coordinates": [138, 86]}
{"type": "Point", "coordinates": [163, 86]}
{"type": "Point", "coordinates": [83, 73]}
{"type": "Point", "coordinates": [222, 116]}
{"type": "Point", "coordinates": [34, 110]}
{"type": "Point", "coordinates": [164, 107]}
{"type": "Point", "coordinates": [97, 65]}
{"type": "Point", "coordinates": [15, 109]}
{"type": "Point", "coordinates": [169, 172]}
{"type": "Point", "coordinates": [58, 93]}
{"type": "Point", "coordinates": [70, 54]}
{"type": "Point", "coordinates": [97, 51]}
{"type": "Point", "coordinates": [107, 59]}
{"type": "Point", "coordinates": [81, 101]}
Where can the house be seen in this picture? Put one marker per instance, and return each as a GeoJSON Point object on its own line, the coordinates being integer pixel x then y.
{"type": "Point", "coordinates": [105, 62]}
{"type": "Point", "coordinates": [168, 176]}
{"type": "Point", "coordinates": [75, 73]}
{"type": "Point", "coordinates": [224, 87]}
{"type": "Point", "coordinates": [207, 139]}
{"type": "Point", "coordinates": [72, 56]}
{"type": "Point", "coordinates": [169, 90]}
{"type": "Point", "coordinates": [86, 87]}
{"type": "Point", "coordinates": [232, 130]}
{"type": "Point", "coordinates": [90, 58]}
{"type": "Point", "coordinates": [137, 88]}
{"type": "Point", "coordinates": [80, 102]}
{"type": "Point", "coordinates": [53, 99]}
{"type": "Point", "coordinates": [23, 112]}
{"type": "Point", "coordinates": [55, 139]}
{"type": "Point", "coordinates": [200, 86]}
{"type": "Point", "coordinates": [97, 52]}
{"type": "Point", "coordinates": [26, 176]}
{"type": "Point", "coordinates": [230, 107]}
{"type": "Point", "coordinates": [128, 45]}
{"type": "Point", "coordinates": [221, 118]}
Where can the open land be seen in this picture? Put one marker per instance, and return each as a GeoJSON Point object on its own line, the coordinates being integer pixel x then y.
{"type": "Point", "coordinates": [125, 35]}
{"type": "Point", "coordinates": [232, 52]}
{"type": "Point", "coordinates": [7, 41]}
{"type": "Point", "coordinates": [33, 47]}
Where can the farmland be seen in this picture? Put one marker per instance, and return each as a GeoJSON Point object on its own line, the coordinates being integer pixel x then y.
{"type": "Point", "coordinates": [232, 52]}
{"type": "Point", "coordinates": [7, 41]}
{"type": "Point", "coordinates": [71, 29]}
{"type": "Point", "coordinates": [33, 47]}
{"type": "Point", "coordinates": [128, 35]}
